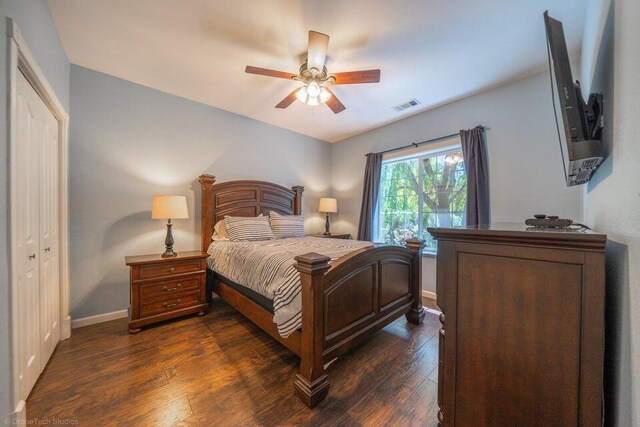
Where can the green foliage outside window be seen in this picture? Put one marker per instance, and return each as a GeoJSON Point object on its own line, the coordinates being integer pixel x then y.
{"type": "Point", "coordinates": [428, 191]}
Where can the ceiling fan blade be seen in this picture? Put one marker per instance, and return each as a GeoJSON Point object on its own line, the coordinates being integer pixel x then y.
{"type": "Point", "coordinates": [334, 103]}
{"type": "Point", "coordinates": [353, 77]}
{"type": "Point", "coordinates": [317, 50]}
{"type": "Point", "coordinates": [269, 73]}
{"type": "Point", "coordinates": [288, 100]}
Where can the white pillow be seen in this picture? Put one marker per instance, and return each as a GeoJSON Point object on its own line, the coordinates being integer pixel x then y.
{"type": "Point", "coordinates": [220, 232]}
{"type": "Point", "coordinates": [284, 226]}
{"type": "Point", "coordinates": [242, 229]}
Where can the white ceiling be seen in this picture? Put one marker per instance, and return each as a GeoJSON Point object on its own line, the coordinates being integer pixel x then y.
{"type": "Point", "coordinates": [433, 50]}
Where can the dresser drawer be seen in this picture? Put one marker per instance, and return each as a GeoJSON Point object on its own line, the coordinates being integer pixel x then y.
{"type": "Point", "coordinates": [170, 287]}
{"type": "Point", "coordinates": [168, 269]}
{"type": "Point", "coordinates": [169, 303]}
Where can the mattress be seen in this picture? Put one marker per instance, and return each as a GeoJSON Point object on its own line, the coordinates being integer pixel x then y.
{"type": "Point", "coordinates": [268, 268]}
{"type": "Point", "coordinates": [261, 300]}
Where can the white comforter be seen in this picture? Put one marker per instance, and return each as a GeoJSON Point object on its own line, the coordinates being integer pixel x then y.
{"type": "Point", "coordinates": [268, 267]}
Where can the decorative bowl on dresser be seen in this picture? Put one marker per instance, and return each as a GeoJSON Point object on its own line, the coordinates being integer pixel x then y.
{"type": "Point", "coordinates": [165, 288]}
{"type": "Point", "coordinates": [522, 338]}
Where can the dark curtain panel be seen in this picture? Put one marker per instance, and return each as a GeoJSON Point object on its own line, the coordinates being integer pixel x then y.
{"type": "Point", "coordinates": [475, 161]}
{"type": "Point", "coordinates": [370, 193]}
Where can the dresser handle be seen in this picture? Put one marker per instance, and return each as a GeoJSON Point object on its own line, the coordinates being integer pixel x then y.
{"type": "Point", "coordinates": [47, 249]}
{"type": "Point", "coordinates": [32, 256]}
{"type": "Point", "coordinates": [164, 288]}
{"type": "Point", "coordinates": [172, 269]}
{"type": "Point", "coordinates": [167, 305]}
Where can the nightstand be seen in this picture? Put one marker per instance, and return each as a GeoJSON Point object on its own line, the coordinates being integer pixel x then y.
{"type": "Point", "coordinates": [165, 288]}
{"type": "Point", "coordinates": [334, 236]}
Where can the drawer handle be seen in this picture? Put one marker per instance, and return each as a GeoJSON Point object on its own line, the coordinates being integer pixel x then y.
{"type": "Point", "coordinates": [172, 269]}
{"type": "Point", "coordinates": [32, 256]}
{"type": "Point", "coordinates": [167, 305]}
{"type": "Point", "coordinates": [178, 286]}
{"type": "Point", "coordinates": [48, 249]}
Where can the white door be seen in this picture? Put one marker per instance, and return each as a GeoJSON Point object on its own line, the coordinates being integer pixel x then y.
{"type": "Point", "coordinates": [49, 260]}
{"type": "Point", "coordinates": [36, 185]}
{"type": "Point", "coordinates": [27, 210]}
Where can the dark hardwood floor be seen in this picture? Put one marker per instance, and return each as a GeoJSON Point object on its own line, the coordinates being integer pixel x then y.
{"type": "Point", "coordinates": [222, 370]}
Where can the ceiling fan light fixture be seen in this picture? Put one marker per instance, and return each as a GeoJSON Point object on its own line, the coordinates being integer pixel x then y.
{"type": "Point", "coordinates": [313, 89]}
{"type": "Point", "coordinates": [315, 78]}
{"type": "Point", "coordinates": [302, 94]}
{"type": "Point", "coordinates": [324, 95]}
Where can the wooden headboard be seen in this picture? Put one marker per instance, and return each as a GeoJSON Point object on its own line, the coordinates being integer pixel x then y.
{"type": "Point", "coordinates": [243, 198]}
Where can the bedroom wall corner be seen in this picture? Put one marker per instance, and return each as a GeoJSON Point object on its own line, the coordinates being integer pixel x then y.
{"type": "Point", "coordinates": [526, 173]}
{"type": "Point", "coordinates": [129, 142]}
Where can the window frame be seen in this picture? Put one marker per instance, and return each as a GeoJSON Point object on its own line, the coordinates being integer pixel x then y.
{"type": "Point", "coordinates": [443, 149]}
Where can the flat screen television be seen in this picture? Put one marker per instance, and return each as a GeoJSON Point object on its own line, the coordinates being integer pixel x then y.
{"type": "Point", "coordinates": [579, 123]}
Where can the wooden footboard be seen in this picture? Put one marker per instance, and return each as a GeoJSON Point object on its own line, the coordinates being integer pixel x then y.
{"type": "Point", "coordinates": [346, 302]}
{"type": "Point", "coordinates": [342, 303]}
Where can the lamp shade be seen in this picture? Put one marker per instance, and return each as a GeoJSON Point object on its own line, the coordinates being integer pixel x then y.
{"type": "Point", "coordinates": [169, 207]}
{"type": "Point", "coordinates": [328, 205]}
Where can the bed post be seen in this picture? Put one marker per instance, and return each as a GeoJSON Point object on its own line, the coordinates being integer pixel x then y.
{"type": "Point", "coordinates": [417, 312]}
{"type": "Point", "coordinates": [311, 383]}
{"type": "Point", "coordinates": [297, 200]}
{"type": "Point", "coordinates": [206, 218]}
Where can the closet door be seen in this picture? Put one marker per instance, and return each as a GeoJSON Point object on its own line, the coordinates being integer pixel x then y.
{"type": "Point", "coordinates": [49, 260]}
{"type": "Point", "coordinates": [28, 132]}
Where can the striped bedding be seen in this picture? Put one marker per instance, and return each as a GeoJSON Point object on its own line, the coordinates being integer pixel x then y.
{"type": "Point", "coordinates": [268, 268]}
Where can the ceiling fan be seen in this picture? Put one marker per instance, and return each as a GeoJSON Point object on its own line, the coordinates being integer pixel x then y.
{"type": "Point", "coordinates": [313, 74]}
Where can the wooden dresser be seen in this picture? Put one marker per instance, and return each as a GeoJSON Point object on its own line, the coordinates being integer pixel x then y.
{"type": "Point", "coordinates": [164, 288]}
{"type": "Point", "coordinates": [522, 338]}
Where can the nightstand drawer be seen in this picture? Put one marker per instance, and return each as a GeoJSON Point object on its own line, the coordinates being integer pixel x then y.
{"type": "Point", "coordinates": [170, 287]}
{"type": "Point", "coordinates": [170, 303]}
{"type": "Point", "coordinates": [168, 269]}
{"type": "Point", "coordinates": [166, 288]}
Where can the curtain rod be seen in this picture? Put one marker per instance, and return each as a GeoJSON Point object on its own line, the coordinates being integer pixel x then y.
{"type": "Point", "coordinates": [417, 144]}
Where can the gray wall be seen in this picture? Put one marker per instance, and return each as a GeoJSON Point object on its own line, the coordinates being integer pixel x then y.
{"type": "Point", "coordinates": [612, 198]}
{"type": "Point", "coordinates": [526, 172]}
{"type": "Point", "coordinates": [129, 142]}
{"type": "Point", "coordinates": [37, 27]}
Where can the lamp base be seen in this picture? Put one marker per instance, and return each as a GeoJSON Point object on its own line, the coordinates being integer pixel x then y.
{"type": "Point", "coordinates": [327, 232]}
{"type": "Point", "coordinates": [168, 242]}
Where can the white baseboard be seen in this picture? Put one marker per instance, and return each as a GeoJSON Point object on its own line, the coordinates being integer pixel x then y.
{"type": "Point", "coordinates": [19, 416]}
{"type": "Point", "coordinates": [429, 294]}
{"type": "Point", "coordinates": [105, 317]}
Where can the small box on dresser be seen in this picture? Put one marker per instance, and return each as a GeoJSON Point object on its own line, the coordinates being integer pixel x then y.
{"type": "Point", "coordinates": [166, 288]}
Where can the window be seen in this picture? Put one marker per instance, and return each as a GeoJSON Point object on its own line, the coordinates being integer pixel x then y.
{"type": "Point", "coordinates": [425, 190]}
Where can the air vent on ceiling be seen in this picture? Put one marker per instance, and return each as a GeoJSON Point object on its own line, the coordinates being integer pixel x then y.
{"type": "Point", "coordinates": [409, 104]}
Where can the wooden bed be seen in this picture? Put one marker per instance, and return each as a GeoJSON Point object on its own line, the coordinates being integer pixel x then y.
{"type": "Point", "coordinates": [342, 303]}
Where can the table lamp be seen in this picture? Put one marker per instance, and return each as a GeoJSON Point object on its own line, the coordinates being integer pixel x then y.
{"type": "Point", "coordinates": [169, 207]}
{"type": "Point", "coordinates": [328, 205]}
